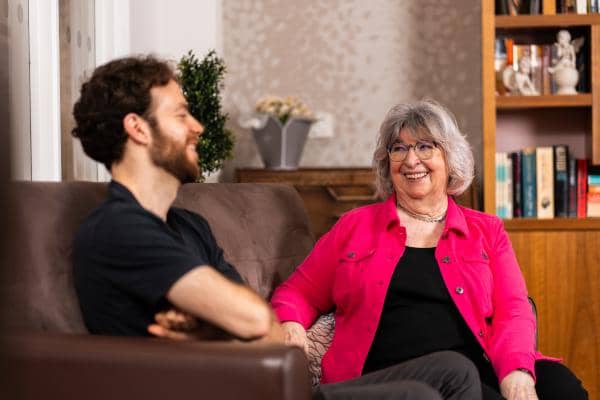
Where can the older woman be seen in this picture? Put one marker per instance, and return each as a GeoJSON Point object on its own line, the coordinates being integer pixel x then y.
{"type": "Point", "coordinates": [417, 274]}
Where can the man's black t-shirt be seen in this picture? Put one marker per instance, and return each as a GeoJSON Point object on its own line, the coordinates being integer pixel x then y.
{"type": "Point", "coordinates": [126, 259]}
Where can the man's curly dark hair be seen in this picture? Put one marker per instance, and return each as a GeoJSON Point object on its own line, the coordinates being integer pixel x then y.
{"type": "Point", "coordinates": [116, 89]}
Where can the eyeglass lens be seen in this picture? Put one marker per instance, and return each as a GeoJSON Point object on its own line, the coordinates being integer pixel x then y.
{"type": "Point", "coordinates": [423, 150]}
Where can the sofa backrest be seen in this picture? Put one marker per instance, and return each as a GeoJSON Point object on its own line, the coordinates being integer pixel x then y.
{"type": "Point", "coordinates": [262, 228]}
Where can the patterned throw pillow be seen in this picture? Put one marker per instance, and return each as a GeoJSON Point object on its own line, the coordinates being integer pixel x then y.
{"type": "Point", "coordinates": [319, 338]}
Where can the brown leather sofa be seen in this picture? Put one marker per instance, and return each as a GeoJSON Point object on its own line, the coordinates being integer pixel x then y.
{"type": "Point", "coordinates": [46, 351]}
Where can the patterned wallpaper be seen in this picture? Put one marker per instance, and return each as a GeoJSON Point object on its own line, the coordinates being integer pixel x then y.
{"type": "Point", "coordinates": [354, 59]}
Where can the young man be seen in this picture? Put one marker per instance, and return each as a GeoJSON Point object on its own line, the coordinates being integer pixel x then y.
{"type": "Point", "coordinates": [136, 256]}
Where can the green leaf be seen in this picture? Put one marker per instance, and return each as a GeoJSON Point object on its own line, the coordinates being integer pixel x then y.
{"type": "Point", "coordinates": [201, 82]}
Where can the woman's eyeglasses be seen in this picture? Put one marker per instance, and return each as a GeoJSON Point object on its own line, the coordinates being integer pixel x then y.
{"type": "Point", "coordinates": [423, 150]}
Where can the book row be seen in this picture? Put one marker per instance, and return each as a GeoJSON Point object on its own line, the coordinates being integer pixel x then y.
{"type": "Point", "coordinates": [519, 7]}
{"type": "Point", "coordinates": [545, 182]}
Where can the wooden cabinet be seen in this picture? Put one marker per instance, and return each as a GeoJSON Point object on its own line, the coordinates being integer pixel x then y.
{"type": "Point", "coordinates": [329, 192]}
{"type": "Point", "coordinates": [560, 258]}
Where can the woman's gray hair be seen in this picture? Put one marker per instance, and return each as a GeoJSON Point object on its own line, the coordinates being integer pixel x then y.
{"type": "Point", "coordinates": [425, 119]}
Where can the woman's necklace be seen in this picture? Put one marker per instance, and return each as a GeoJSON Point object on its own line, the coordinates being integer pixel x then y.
{"type": "Point", "coordinates": [421, 217]}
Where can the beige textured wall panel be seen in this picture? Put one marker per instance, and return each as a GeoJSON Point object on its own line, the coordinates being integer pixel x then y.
{"type": "Point", "coordinates": [354, 59]}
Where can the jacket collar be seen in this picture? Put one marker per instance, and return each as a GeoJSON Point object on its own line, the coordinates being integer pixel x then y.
{"type": "Point", "coordinates": [455, 219]}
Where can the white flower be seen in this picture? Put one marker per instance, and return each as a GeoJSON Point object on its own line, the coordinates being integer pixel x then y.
{"type": "Point", "coordinates": [283, 108]}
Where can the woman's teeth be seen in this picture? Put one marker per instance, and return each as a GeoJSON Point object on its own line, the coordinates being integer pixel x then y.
{"type": "Point", "coordinates": [415, 176]}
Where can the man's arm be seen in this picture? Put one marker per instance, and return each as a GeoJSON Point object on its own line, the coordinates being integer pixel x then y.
{"type": "Point", "coordinates": [205, 293]}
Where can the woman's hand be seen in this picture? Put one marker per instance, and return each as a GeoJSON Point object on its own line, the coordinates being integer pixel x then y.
{"type": "Point", "coordinates": [518, 385]}
{"type": "Point", "coordinates": [295, 335]}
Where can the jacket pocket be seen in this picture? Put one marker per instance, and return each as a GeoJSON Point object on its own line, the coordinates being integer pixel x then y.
{"type": "Point", "coordinates": [351, 277]}
{"type": "Point", "coordinates": [477, 274]}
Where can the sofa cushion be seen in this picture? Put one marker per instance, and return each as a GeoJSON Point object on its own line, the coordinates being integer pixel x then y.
{"type": "Point", "coordinates": [262, 228]}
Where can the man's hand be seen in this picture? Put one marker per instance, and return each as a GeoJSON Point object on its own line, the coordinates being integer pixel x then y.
{"type": "Point", "coordinates": [295, 335]}
{"type": "Point", "coordinates": [518, 385]}
{"type": "Point", "coordinates": [178, 325]}
{"type": "Point", "coordinates": [176, 320]}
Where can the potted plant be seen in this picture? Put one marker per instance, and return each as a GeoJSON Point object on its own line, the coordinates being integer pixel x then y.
{"type": "Point", "coordinates": [202, 82]}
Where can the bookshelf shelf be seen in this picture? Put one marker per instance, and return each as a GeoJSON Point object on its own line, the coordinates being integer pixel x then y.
{"type": "Point", "coordinates": [546, 21]}
{"type": "Point", "coordinates": [545, 101]}
{"type": "Point", "coordinates": [556, 224]}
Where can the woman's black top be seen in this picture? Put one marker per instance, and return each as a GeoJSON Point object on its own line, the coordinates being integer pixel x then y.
{"type": "Point", "coordinates": [418, 316]}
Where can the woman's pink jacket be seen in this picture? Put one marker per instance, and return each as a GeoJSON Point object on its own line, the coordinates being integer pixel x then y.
{"type": "Point", "coordinates": [350, 268]}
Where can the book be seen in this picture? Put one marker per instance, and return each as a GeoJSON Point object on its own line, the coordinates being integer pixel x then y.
{"type": "Point", "coordinates": [593, 203]}
{"type": "Point", "coordinates": [561, 181]}
{"type": "Point", "coordinates": [572, 187]}
{"type": "Point", "coordinates": [544, 166]}
{"type": "Point", "coordinates": [528, 182]}
{"type": "Point", "coordinates": [501, 7]}
{"type": "Point", "coordinates": [593, 180]}
{"type": "Point", "coordinates": [500, 58]}
{"type": "Point", "coordinates": [501, 206]}
{"type": "Point", "coordinates": [582, 62]}
{"type": "Point", "coordinates": [535, 7]}
{"type": "Point", "coordinates": [567, 6]}
{"type": "Point", "coordinates": [581, 6]}
{"type": "Point", "coordinates": [546, 63]}
{"type": "Point", "coordinates": [508, 191]}
{"type": "Point", "coordinates": [593, 196]}
{"type": "Point", "coordinates": [517, 190]}
{"type": "Point", "coordinates": [582, 188]}
{"type": "Point", "coordinates": [594, 6]}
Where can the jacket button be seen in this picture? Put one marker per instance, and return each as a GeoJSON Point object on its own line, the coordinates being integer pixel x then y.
{"type": "Point", "coordinates": [351, 254]}
{"type": "Point", "coordinates": [485, 256]}
{"type": "Point", "coordinates": [459, 290]}
{"type": "Point", "coordinates": [446, 260]}
{"type": "Point", "coordinates": [480, 333]}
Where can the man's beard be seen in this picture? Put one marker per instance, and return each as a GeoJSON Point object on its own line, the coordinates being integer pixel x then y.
{"type": "Point", "coordinates": [171, 156]}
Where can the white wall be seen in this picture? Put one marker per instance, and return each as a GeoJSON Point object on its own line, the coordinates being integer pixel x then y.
{"type": "Point", "coordinates": [167, 28]}
{"type": "Point", "coordinates": [19, 89]}
{"type": "Point", "coordinates": [171, 28]}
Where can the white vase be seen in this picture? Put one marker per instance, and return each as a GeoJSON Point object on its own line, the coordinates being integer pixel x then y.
{"type": "Point", "coordinates": [281, 147]}
{"type": "Point", "coordinates": [213, 177]}
{"type": "Point", "coordinates": [566, 79]}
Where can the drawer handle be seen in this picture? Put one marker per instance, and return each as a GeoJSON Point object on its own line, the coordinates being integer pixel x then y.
{"type": "Point", "coordinates": [357, 197]}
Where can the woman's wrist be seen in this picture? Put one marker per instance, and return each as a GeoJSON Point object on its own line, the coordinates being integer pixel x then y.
{"type": "Point", "coordinates": [525, 370]}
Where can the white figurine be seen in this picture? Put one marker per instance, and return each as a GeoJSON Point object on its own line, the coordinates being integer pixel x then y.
{"type": "Point", "coordinates": [564, 69]}
{"type": "Point", "coordinates": [519, 82]}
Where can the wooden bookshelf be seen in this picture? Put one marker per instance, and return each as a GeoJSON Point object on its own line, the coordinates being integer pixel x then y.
{"type": "Point", "coordinates": [492, 103]}
{"type": "Point", "coordinates": [560, 257]}
{"type": "Point", "coordinates": [555, 224]}
{"type": "Point", "coordinates": [544, 101]}
{"type": "Point", "coordinates": [546, 21]}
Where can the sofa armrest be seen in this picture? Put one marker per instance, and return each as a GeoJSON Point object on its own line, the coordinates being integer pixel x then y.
{"type": "Point", "coordinates": [60, 366]}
